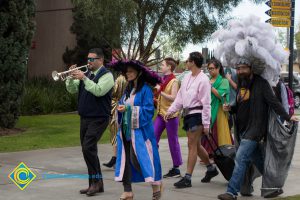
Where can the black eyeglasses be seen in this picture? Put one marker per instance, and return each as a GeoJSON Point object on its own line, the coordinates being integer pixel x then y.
{"type": "Point", "coordinates": [211, 68]}
{"type": "Point", "coordinates": [91, 59]}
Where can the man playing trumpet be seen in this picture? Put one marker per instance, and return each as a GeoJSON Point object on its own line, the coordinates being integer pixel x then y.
{"type": "Point", "coordinates": [94, 106]}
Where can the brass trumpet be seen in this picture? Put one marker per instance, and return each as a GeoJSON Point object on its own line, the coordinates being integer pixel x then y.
{"type": "Point", "coordinates": [64, 75]}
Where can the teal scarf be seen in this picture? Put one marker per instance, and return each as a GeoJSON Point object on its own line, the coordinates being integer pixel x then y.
{"type": "Point", "coordinates": [126, 122]}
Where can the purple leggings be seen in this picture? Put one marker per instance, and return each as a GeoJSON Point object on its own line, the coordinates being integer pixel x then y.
{"type": "Point", "coordinates": [172, 131]}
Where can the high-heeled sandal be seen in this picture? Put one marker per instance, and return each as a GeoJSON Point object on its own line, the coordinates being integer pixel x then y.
{"type": "Point", "coordinates": [157, 195]}
{"type": "Point", "coordinates": [126, 197]}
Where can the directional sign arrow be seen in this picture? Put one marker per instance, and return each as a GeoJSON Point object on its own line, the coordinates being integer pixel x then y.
{"type": "Point", "coordinates": [268, 12]}
{"type": "Point", "coordinates": [281, 4]}
{"type": "Point", "coordinates": [279, 13]}
{"type": "Point", "coordinates": [279, 22]}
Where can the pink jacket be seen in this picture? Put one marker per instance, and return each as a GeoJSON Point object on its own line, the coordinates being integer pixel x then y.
{"type": "Point", "coordinates": [194, 91]}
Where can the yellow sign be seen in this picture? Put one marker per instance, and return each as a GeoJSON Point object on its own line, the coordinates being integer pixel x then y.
{"type": "Point", "coordinates": [280, 22]}
{"type": "Point", "coordinates": [22, 176]}
{"type": "Point", "coordinates": [279, 4]}
{"type": "Point", "coordinates": [279, 13]}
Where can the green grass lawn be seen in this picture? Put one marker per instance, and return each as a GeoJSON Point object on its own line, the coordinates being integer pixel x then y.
{"type": "Point", "coordinates": [297, 197]}
{"type": "Point", "coordinates": [48, 131]}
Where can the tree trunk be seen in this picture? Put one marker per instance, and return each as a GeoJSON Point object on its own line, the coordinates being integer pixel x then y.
{"type": "Point", "coordinates": [141, 16]}
{"type": "Point", "coordinates": [155, 30]}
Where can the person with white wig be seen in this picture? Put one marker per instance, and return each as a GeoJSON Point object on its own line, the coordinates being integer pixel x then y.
{"type": "Point", "coordinates": [251, 47]}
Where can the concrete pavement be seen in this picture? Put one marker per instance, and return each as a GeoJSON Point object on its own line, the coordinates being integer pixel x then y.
{"type": "Point", "coordinates": [64, 161]}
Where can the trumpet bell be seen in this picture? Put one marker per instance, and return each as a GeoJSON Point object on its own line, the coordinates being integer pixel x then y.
{"type": "Point", "coordinates": [55, 76]}
{"type": "Point", "coordinates": [68, 74]}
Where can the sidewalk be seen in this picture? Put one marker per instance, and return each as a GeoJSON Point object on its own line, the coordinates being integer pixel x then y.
{"type": "Point", "coordinates": [69, 161]}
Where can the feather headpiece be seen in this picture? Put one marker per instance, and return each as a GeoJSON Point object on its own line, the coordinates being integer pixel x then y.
{"type": "Point", "coordinates": [254, 42]}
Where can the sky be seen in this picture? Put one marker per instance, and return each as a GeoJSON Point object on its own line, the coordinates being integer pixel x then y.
{"type": "Point", "coordinates": [245, 8]}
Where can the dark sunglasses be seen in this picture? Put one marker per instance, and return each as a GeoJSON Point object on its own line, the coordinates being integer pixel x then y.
{"type": "Point", "coordinates": [242, 67]}
{"type": "Point", "coordinates": [91, 59]}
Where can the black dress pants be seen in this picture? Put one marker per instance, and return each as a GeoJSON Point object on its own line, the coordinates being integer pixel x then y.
{"type": "Point", "coordinates": [130, 162]}
{"type": "Point", "coordinates": [127, 171]}
{"type": "Point", "coordinates": [91, 131]}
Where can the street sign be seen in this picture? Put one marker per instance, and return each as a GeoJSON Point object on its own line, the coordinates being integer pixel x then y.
{"type": "Point", "coordinates": [279, 22]}
{"type": "Point", "coordinates": [279, 13]}
{"type": "Point", "coordinates": [279, 4]}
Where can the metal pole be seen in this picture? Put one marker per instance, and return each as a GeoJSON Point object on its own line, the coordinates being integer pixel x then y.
{"type": "Point", "coordinates": [287, 37]}
{"type": "Point", "coordinates": [291, 45]}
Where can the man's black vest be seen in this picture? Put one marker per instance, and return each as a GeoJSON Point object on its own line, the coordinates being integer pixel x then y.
{"type": "Point", "coordinates": [91, 106]}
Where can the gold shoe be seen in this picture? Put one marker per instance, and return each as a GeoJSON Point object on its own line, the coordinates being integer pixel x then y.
{"type": "Point", "coordinates": [123, 197]}
{"type": "Point", "coordinates": [157, 195]}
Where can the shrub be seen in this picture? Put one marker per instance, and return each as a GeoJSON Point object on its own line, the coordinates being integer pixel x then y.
{"type": "Point", "coordinates": [43, 96]}
{"type": "Point", "coordinates": [16, 31]}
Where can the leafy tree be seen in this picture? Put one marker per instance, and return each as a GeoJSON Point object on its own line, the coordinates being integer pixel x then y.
{"type": "Point", "coordinates": [96, 24]}
{"type": "Point", "coordinates": [282, 36]}
{"type": "Point", "coordinates": [16, 31]}
{"type": "Point", "coordinates": [168, 47]}
{"type": "Point", "coordinates": [182, 22]}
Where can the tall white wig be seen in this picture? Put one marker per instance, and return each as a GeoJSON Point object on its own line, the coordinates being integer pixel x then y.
{"type": "Point", "coordinates": [251, 42]}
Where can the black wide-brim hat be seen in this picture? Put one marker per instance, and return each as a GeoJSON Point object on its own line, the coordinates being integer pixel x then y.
{"type": "Point", "coordinates": [148, 75]}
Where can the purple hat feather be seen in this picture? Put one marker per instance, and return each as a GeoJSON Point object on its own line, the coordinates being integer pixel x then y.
{"type": "Point", "coordinates": [150, 76]}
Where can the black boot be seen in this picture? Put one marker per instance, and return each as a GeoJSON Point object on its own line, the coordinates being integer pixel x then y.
{"type": "Point", "coordinates": [96, 187]}
{"type": "Point", "coordinates": [111, 163]}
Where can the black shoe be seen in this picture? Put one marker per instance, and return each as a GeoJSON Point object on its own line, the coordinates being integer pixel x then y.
{"type": "Point", "coordinates": [173, 173]}
{"type": "Point", "coordinates": [183, 183]}
{"type": "Point", "coordinates": [111, 163]}
{"type": "Point", "coordinates": [246, 194]}
{"type": "Point", "coordinates": [274, 194]}
{"type": "Point", "coordinates": [209, 175]}
{"type": "Point", "coordinates": [226, 196]}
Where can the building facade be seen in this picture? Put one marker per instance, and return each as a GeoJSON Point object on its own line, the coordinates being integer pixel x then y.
{"type": "Point", "coordinates": [52, 36]}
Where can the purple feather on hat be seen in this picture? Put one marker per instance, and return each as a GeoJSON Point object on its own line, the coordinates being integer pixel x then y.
{"type": "Point", "coordinates": [150, 76]}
